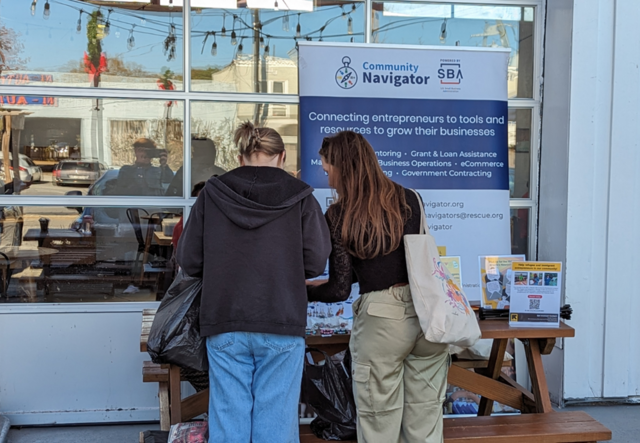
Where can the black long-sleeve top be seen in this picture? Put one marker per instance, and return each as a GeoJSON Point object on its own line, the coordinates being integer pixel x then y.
{"type": "Point", "coordinates": [374, 274]}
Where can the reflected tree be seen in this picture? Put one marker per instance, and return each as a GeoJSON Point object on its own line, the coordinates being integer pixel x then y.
{"type": "Point", "coordinates": [10, 49]}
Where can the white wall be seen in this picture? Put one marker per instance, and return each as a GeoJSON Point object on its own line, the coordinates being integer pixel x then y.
{"type": "Point", "coordinates": [603, 201]}
{"type": "Point", "coordinates": [78, 364]}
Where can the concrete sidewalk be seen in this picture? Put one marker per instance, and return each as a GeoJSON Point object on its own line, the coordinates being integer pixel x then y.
{"type": "Point", "coordinates": [623, 420]}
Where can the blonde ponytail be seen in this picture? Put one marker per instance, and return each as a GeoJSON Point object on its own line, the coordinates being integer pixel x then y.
{"type": "Point", "coordinates": [251, 140]}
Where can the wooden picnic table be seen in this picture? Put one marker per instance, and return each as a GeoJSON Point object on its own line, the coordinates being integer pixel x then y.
{"type": "Point", "coordinates": [57, 236]}
{"type": "Point", "coordinates": [487, 382]}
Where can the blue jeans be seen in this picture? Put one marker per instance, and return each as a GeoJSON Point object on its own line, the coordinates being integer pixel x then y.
{"type": "Point", "coordinates": [254, 387]}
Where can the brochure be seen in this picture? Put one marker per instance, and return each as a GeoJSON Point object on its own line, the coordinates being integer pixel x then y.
{"type": "Point", "coordinates": [495, 279]}
{"type": "Point", "coordinates": [536, 292]}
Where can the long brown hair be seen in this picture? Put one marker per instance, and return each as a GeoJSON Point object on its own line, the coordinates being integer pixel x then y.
{"type": "Point", "coordinates": [373, 208]}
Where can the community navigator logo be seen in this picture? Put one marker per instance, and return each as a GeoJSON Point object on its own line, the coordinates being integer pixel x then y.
{"type": "Point", "coordinates": [346, 77]}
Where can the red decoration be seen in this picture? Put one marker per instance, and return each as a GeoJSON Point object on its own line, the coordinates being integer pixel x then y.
{"type": "Point", "coordinates": [91, 69]}
{"type": "Point", "coordinates": [166, 85]}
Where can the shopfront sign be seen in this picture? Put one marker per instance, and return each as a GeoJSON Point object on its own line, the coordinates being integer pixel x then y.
{"type": "Point", "coordinates": [437, 119]}
{"type": "Point", "coordinates": [28, 100]}
{"type": "Point", "coordinates": [25, 79]}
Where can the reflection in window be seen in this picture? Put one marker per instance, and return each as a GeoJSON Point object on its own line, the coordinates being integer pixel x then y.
{"type": "Point", "coordinates": [520, 232]}
{"type": "Point", "coordinates": [463, 25]}
{"type": "Point", "coordinates": [214, 123]}
{"type": "Point", "coordinates": [519, 139]}
{"type": "Point", "coordinates": [93, 146]}
{"type": "Point", "coordinates": [86, 254]}
{"type": "Point", "coordinates": [128, 45]}
{"type": "Point", "coordinates": [254, 48]}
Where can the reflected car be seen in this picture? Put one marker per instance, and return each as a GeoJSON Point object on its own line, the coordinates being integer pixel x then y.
{"type": "Point", "coordinates": [102, 186]}
{"type": "Point", "coordinates": [29, 165]}
{"type": "Point", "coordinates": [25, 175]}
{"type": "Point", "coordinates": [78, 172]}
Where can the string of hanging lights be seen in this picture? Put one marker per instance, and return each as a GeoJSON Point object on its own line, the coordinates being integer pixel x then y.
{"type": "Point", "coordinates": [238, 26]}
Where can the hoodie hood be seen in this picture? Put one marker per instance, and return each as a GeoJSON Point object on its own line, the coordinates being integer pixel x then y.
{"type": "Point", "coordinates": [252, 196]}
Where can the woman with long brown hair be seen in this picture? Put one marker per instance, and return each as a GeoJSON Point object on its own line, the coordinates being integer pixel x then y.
{"type": "Point", "coordinates": [399, 378]}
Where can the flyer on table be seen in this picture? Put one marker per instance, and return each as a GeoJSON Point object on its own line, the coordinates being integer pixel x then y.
{"type": "Point", "coordinates": [495, 280]}
{"type": "Point", "coordinates": [535, 294]}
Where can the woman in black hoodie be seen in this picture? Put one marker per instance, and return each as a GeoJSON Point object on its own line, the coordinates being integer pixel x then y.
{"type": "Point", "coordinates": [254, 235]}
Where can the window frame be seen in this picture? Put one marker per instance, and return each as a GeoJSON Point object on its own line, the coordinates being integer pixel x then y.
{"type": "Point", "coordinates": [188, 95]}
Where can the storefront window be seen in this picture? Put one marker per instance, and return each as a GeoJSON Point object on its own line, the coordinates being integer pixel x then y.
{"type": "Point", "coordinates": [519, 139]}
{"type": "Point", "coordinates": [252, 47]}
{"type": "Point", "coordinates": [92, 44]}
{"type": "Point", "coordinates": [463, 25]}
{"type": "Point", "coordinates": [214, 123]}
{"type": "Point", "coordinates": [520, 220]}
{"type": "Point", "coordinates": [100, 146]}
{"type": "Point", "coordinates": [88, 152]}
{"type": "Point", "coordinates": [85, 254]}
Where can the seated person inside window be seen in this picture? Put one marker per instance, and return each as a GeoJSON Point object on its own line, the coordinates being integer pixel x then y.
{"type": "Point", "coordinates": [141, 178]}
{"type": "Point", "coordinates": [203, 167]}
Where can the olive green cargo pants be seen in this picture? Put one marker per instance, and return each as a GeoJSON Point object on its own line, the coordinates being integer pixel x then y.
{"type": "Point", "coordinates": [399, 378]}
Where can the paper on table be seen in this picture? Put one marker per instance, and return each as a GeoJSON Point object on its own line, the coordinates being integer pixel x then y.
{"type": "Point", "coordinates": [536, 292]}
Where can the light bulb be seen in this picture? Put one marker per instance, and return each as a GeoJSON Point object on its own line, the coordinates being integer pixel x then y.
{"type": "Point", "coordinates": [47, 11]}
{"type": "Point", "coordinates": [214, 49]}
{"type": "Point", "coordinates": [79, 26]}
{"type": "Point", "coordinates": [223, 31]}
{"type": "Point", "coordinates": [233, 38]}
{"type": "Point", "coordinates": [285, 23]}
{"type": "Point", "coordinates": [107, 28]}
{"type": "Point", "coordinates": [350, 26]}
{"type": "Point", "coordinates": [443, 31]}
{"type": "Point", "coordinates": [298, 35]}
{"type": "Point", "coordinates": [261, 42]}
{"type": "Point", "coordinates": [275, 6]}
{"type": "Point", "coordinates": [240, 47]}
{"type": "Point", "coordinates": [131, 42]}
{"type": "Point", "coordinates": [266, 50]}
{"type": "Point", "coordinates": [33, 7]}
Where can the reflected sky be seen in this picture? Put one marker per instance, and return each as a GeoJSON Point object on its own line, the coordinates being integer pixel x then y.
{"type": "Point", "coordinates": [137, 36]}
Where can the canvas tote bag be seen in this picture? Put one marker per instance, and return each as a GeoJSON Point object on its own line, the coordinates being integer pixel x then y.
{"type": "Point", "coordinates": [443, 310]}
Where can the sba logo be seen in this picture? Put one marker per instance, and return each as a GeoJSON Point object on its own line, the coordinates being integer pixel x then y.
{"type": "Point", "coordinates": [346, 77]}
{"type": "Point", "coordinates": [450, 74]}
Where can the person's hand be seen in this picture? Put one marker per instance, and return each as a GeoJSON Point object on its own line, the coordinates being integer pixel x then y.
{"type": "Point", "coordinates": [316, 282]}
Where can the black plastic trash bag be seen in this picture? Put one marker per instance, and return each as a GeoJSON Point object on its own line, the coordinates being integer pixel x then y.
{"type": "Point", "coordinates": [175, 332]}
{"type": "Point", "coordinates": [327, 388]}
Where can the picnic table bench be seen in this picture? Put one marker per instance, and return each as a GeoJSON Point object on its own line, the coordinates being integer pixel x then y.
{"type": "Point", "coordinates": [538, 422]}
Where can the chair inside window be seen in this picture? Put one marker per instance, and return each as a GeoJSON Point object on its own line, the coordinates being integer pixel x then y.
{"type": "Point", "coordinates": [144, 234]}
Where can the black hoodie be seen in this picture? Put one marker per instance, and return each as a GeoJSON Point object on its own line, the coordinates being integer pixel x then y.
{"type": "Point", "coordinates": [254, 235]}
